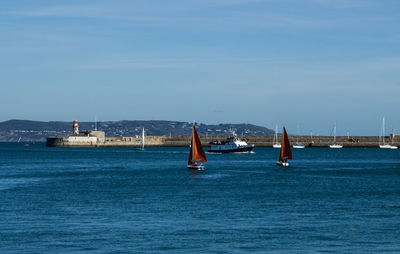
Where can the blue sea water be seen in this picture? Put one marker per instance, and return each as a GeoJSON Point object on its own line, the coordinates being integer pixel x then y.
{"type": "Point", "coordinates": [118, 200]}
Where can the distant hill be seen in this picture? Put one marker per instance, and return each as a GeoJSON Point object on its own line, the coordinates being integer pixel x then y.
{"type": "Point", "coordinates": [13, 130]}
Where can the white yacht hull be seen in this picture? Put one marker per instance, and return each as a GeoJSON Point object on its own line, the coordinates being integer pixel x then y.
{"type": "Point", "coordinates": [336, 146]}
{"type": "Point", "coordinates": [385, 146]}
{"type": "Point", "coordinates": [276, 145]}
{"type": "Point", "coordinates": [299, 146]}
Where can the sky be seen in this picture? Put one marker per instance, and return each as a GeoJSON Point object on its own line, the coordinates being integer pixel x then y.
{"type": "Point", "coordinates": [305, 64]}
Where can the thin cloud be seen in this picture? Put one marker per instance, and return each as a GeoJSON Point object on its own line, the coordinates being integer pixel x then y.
{"type": "Point", "coordinates": [128, 64]}
{"type": "Point", "coordinates": [342, 4]}
{"type": "Point", "coordinates": [254, 14]}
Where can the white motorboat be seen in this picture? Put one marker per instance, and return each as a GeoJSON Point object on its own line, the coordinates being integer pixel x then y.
{"type": "Point", "coordinates": [232, 145]}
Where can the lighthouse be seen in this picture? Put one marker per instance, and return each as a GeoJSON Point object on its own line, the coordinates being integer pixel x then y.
{"type": "Point", "coordinates": [76, 127]}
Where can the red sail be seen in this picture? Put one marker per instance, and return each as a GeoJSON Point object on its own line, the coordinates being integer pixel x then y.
{"type": "Point", "coordinates": [286, 153]}
{"type": "Point", "coordinates": [196, 149]}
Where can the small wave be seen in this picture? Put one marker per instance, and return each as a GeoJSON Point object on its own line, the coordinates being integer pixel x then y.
{"type": "Point", "coordinates": [164, 152]}
{"type": "Point", "coordinates": [215, 176]}
{"type": "Point", "coordinates": [252, 152]}
{"type": "Point", "coordinates": [10, 183]}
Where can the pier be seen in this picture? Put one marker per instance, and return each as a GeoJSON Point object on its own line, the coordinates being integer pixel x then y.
{"type": "Point", "coordinates": [258, 141]}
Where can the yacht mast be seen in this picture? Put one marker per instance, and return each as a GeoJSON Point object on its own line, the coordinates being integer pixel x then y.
{"type": "Point", "coordinates": [143, 138]}
{"type": "Point", "coordinates": [334, 133]}
{"type": "Point", "coordinates": [383, 130]}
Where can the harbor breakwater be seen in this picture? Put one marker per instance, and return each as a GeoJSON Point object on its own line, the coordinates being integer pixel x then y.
{"type": "Point", "coordinates": [258, 141]}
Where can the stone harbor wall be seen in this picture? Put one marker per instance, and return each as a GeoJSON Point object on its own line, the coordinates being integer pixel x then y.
{"type": "Point", "coordinates": [258, 141]}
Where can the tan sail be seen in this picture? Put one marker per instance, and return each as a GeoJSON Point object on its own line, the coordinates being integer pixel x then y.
{"type": "Point", "coordinates": [286, 152]}
{"type": "Point", "coordinates": [196, 149]}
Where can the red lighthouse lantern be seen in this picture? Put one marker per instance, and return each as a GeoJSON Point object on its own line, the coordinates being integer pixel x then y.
{"type": "Point", "coordinates": [75, 126]}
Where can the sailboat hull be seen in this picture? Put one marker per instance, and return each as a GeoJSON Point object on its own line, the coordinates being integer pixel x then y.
{"type": "Point", "coordinates": [277, 146]}
{"type": "Point", "coordinates": [196, 167]}
{"type": "Point", "coordinates": [282, 163]}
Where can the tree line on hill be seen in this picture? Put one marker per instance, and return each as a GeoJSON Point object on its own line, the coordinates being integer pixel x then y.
{"type": "Point", "coordinates": [25, 130]}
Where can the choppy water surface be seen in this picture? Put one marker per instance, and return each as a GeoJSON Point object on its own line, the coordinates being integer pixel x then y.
{"type": "Point", "coordinates": [105, 200]}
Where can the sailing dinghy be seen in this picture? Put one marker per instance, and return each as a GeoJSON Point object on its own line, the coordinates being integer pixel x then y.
{"type": "Point", "coordinates": [286, 153]}
{"type": "Point", "coordinates": [196, 154]}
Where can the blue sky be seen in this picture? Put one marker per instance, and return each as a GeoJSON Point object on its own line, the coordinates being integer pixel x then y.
{"type": "Point", "coordinates": [293, 62]}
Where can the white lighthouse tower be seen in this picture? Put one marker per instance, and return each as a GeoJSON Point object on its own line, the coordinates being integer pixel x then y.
{"type": "Point", "coordinates": [76, 127]}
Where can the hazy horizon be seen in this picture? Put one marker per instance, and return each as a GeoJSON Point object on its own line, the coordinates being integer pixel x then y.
{"type": "Point", "coordinates": [295, 63]}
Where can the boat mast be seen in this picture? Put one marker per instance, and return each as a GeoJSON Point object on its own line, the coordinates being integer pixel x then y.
{"type": "Point", "coordinates": [383, 130]}
{"type": "Point", "coordinates": [143, 138]}
{"type": "Point", "coordinates": [392, 135]}
{"type": "Point", "coordinates": [276, 134]}
{"type": "Point", "coordinates": [334, 133]}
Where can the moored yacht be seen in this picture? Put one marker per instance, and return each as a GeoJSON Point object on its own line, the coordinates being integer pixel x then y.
{"type": "Point", "coordinates": [298, 145]}
{"type": "Point", "coordinates": [392, 136]}
{"type": "Point", "coordinates": [232, 145]}
{"type": "Point", "coordinates": [275, 143]}
{"type": "Point", "coordinates": [382, 142]}
{"type": "Point", "coordinates": [335, 144]}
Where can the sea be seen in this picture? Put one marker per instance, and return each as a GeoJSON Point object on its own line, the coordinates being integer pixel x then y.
{"type": "Point", "coordinates": [123, 200]}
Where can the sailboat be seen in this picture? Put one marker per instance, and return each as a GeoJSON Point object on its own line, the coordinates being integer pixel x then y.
{"type": "Point", "coordinates": [383, 144]}
{"type": "Point", "coordinates": [335, 144]}
{"type": "Point", "coordinates": [311, 140]}
{"type": "Point", "coordinates": [196, 154]}
{"type": "Point", "coordinates": [286, 153]}
{"type": "Point", "coordinates": [275, 142]}
{"type": "Point", "coordinates": [393, 146]}
{"type": "Point", "coordinates": [142, 140]}
{"type": "Point", "coordinates": [298, 145]}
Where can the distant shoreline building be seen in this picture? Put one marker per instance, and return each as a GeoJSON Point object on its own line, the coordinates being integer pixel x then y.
{"type": "Point", "coordinates": [89, 139]}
